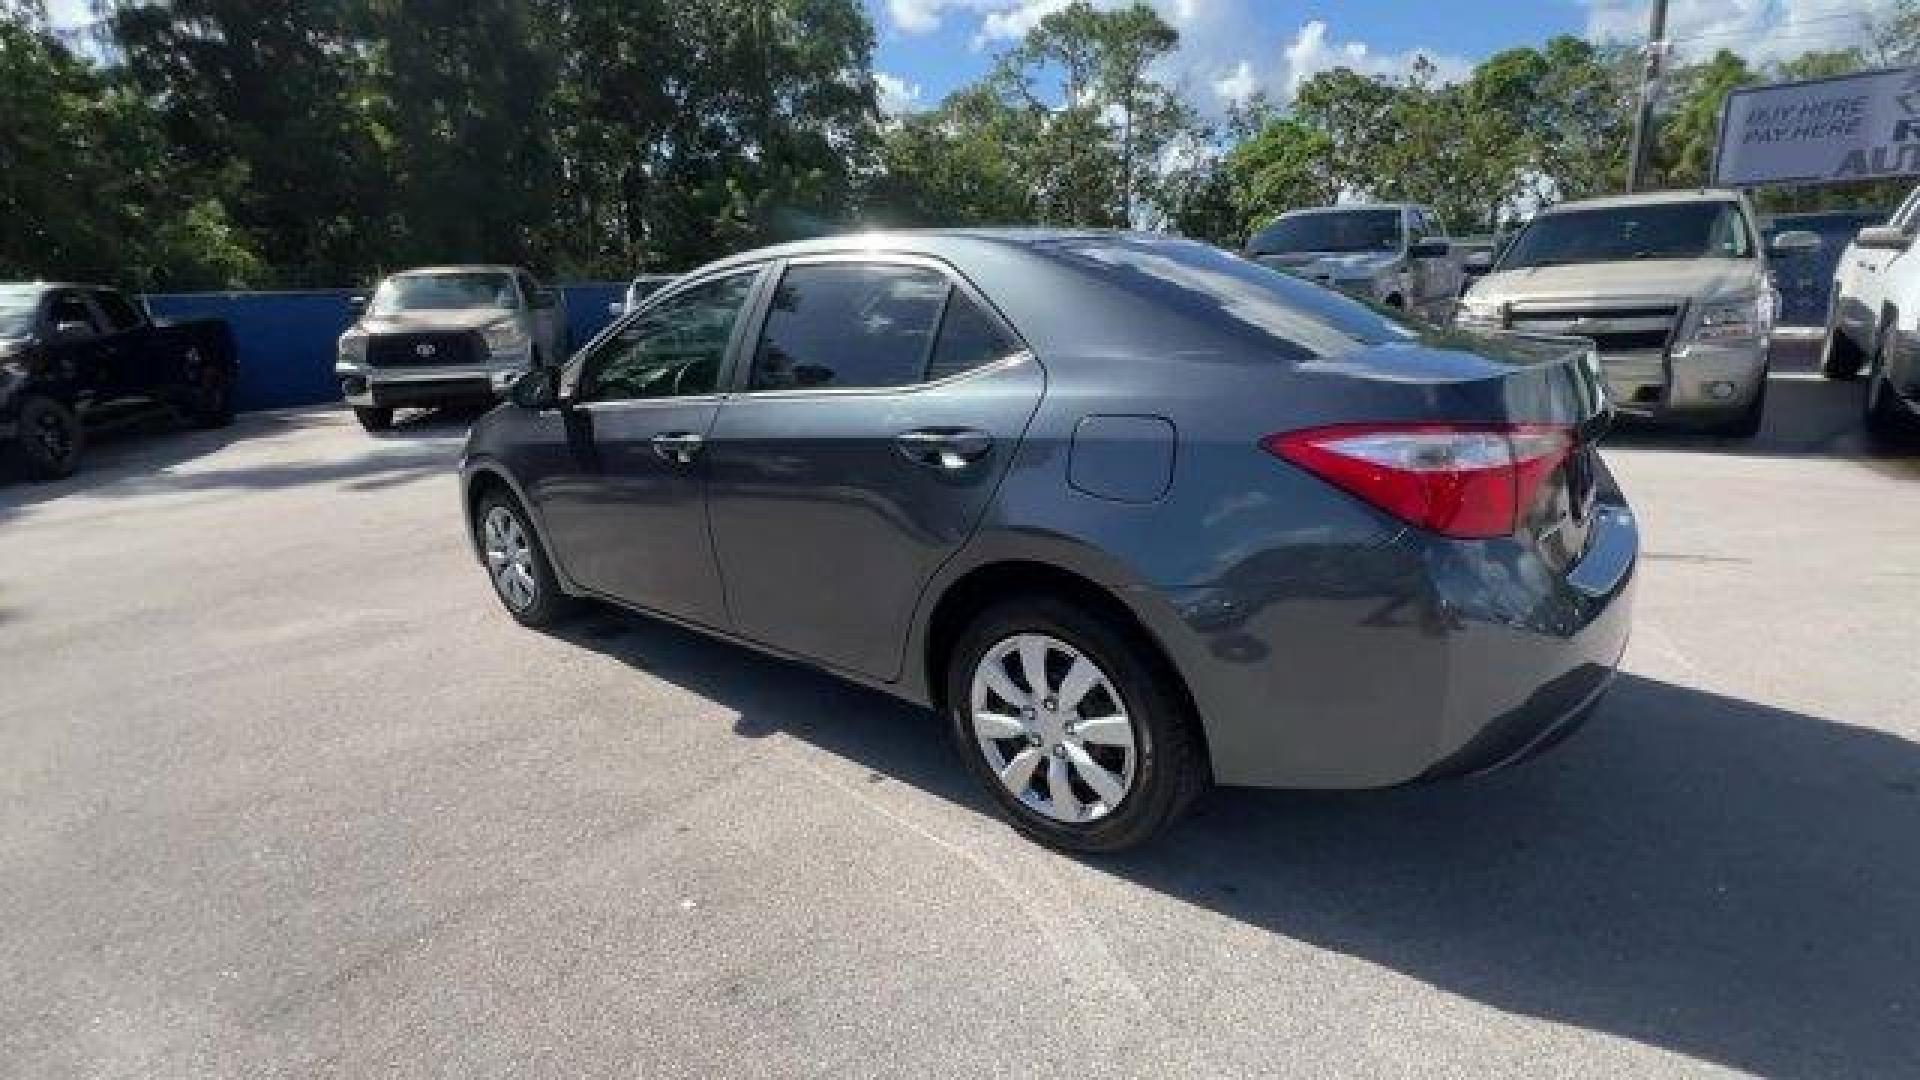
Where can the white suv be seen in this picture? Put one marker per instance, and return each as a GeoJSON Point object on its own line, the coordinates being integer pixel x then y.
{"type": "Point", "coordinates": [1873, 320]}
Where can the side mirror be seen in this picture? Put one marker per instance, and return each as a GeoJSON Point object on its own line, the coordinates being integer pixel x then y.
{"type": "Point", "coordinates": [72, 331]}
{"type": "Point", "coordinates": [538, 389]}
{"type": "Point", "coordinates": [1478, 262]}
{"type": "Point", "coordinates": [356, 306]}
{"type": "Point", "coordinates": [1430, 249]}
{"type": "Point", "coordinates": [1885, 237]}
{"type": "Point", "coordinates": [1795, 242]}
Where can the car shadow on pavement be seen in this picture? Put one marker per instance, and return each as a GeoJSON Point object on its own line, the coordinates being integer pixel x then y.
{"type": "Point", "coordinates": [155, 454]}
{"type": "Point", "coordinates": [1720, 878]}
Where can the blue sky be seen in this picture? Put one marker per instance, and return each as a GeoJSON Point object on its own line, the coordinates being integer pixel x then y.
{"type": "Point", "coordinates": [1231, 47]}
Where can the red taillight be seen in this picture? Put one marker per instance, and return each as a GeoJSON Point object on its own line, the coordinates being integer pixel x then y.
{"type": "Point", "coordinates": [1471, 481]}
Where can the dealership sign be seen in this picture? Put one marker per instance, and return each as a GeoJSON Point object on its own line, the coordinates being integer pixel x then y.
{"type": "Point", "coordinates": [1827, 131]}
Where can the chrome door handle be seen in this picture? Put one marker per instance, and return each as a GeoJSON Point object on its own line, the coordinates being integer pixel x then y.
{"type": "Point", "coordinates": [679, 447]}
{"type": "Point", "coordinates": [947, 449]}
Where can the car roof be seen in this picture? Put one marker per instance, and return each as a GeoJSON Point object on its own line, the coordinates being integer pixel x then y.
{"type": "Point", "coordinates": [463, 268]}
{"type": "Point", "coordinates": [933, 242]}
{"type": "Point", "coordinates": [17, 287]}
{"type": "Point", "coordinates": [1647, 198]}
{"type": "Point", "coordinates": [1340, 208]}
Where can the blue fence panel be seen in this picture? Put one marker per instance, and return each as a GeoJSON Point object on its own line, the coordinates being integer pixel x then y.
{"type": "Point", "coordinates": [286, 340]}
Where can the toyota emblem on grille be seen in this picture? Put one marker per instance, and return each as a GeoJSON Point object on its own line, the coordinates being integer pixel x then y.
{"type": "Point", "coordinates": [423, 350]}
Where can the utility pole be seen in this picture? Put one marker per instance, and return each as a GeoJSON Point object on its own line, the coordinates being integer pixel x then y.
{"type": "Point", "coordinates": [1649, 89]}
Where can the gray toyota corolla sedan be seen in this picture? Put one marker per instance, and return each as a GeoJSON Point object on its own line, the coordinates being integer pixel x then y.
{"type": "Point", "coordinates": [1135, 514]}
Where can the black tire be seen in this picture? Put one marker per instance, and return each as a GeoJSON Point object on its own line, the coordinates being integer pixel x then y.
{"type": "Point", "coordinates": [548, 604]}
{"type": "Point", "coordinates": [48, 440]}
{"type": "Point", "coordinates": [1170, 769]}
{"type": "Point", "coordinates": [1746, 423]}
{"type": "Point", "coordinates": [1840, 358]}
{"type": "Point", "coordinates": [374, 420]}
{"type": "Point", "coordinates": [210, 399]}
{"type": "Point", "coordinates": [1886, 419]}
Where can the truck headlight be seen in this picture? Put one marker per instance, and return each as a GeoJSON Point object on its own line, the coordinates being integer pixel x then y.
{"type": "Point", "coordinates": [505, 339]}
{"type": "Point", "coordinates": [353, 348]}
{"type": "Point", "coordinates": [1479, 314]}
{"type": "Point", "coordinates": [1735, 320]}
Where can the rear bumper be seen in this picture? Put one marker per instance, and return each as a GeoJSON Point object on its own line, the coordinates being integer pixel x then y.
{"type": "Point", "coordinates": [1421, 658]}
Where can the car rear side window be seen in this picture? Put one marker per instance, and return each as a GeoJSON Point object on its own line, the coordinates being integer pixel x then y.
{"type": "Point", "coordinates": [118, 310]}
{"type": "Point", "coordinates": [968, 339]}
{"type": "Point", "coordinates": [844, 325]}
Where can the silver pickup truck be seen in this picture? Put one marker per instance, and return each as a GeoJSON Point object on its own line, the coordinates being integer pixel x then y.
{"type": "Point", "coordinates": [1396, 254]}
{"type": "Point", "coordinates": [445, 335]}
{"type": "Point", "coordinates": [1671, 287]}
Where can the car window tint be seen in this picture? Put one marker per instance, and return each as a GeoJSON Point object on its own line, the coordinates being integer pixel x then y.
{"type": "Point", "coordinates": [69, 307]}
{"type": "Point", "coordinates": [968, 339]}
{"type": "Point", "coordinates": [674, 349]}
{"type": "Point", "coordinates": [849, 325]}
{"type": "Point", "coordinates": [118, 310]}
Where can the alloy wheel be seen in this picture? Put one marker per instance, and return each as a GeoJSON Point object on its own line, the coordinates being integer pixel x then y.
{"type": "Point", "coordinates": [510, 558]}
{"type": "Point", "coordinates": [1053, 728]}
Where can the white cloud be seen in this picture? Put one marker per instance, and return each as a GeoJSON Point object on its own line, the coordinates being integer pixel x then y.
{"type": "Point", "coordinates": [1238, 85]}
{"type": "Point", "coordinates": [897, 95]}
{"type": "Point", "coordinates": [1228, 50]}
{"type": "Point", "coordinates": [70, 14]}
{"type": "Point", "coordinates": [1760, 30]}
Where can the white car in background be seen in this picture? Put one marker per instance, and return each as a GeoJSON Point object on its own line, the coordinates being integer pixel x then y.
{"type": "Point", "coordinates": [1873, 321]}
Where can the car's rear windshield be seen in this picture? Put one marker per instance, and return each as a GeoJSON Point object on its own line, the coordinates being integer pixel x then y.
{"type": "Point", "coordinates": [16, 313]}
{"type": "Point", "coordinates": [1374, 229]}
{"type": "Point", "coordinates": [443, 292]}
{"type": "Point", "coordinates": [1692, 230]}
{"type": "Point", "coordinates": [1224, 290]}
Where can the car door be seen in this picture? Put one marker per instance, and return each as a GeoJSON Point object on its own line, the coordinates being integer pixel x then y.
{"type": "Point", "coordinates": [623, 501]}
{"type": "Point", "coordinates": [131, 369]}
{"type": "Point", "coordinates": [82, 353]}
{"type": "Point", "coordinates": [882, 403]}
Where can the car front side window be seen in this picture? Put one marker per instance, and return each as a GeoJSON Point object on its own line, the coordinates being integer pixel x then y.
{"type": "Point", "coordinates": [674, 349]}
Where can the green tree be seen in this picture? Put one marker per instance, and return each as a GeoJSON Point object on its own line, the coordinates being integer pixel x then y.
{"type": "Point", "coordinates": [272, 90]}
{"type": "Point", "coordinates": [89, 187]}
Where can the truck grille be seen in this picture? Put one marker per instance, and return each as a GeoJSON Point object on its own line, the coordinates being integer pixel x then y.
{"type": "Point", "coordinates": [451, 349]}
{"type": "Point", "coordinates": [1641, 328]}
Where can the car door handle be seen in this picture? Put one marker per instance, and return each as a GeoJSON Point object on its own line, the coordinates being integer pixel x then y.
{"type": "Point", "coordinates": [947, 449]}
{"type": "Point", "coordinates": [679, 447]}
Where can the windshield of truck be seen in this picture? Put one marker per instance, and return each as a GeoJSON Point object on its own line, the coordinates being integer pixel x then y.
{"type": "Point", "coordinates": [16, 314]}
{"type": "Point", "coordinates": [1341, 230]}
{"type": "Point", "coordinates": [1698, 230]}
{"type": "Point", "coordinates": [443, 292]}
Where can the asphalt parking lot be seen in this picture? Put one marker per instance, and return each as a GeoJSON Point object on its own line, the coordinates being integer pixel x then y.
{"type": "Point", "coordinates": [285, 794]}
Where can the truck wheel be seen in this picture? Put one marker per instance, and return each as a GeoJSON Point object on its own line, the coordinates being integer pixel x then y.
{"type": "Point", "coordinates": [210, 400]}
{"type": "Point", "coordinates": [1887, 420]}
{"type": "Point", "coordinates": [49, 440]}
{"type": "Point", "coordinates": [373, 419]}
{"type": "Point", "coordinates": [1746, 423]}
{"type": "Point", "coordinates": [1839, 357]}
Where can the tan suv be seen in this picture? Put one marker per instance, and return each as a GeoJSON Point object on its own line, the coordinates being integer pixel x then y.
{"type": "Point", "coordinates": [1672, 288]}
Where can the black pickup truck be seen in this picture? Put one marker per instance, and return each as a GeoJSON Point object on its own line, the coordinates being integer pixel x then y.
{"type": "Point", "coordinates": [71, 354]}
